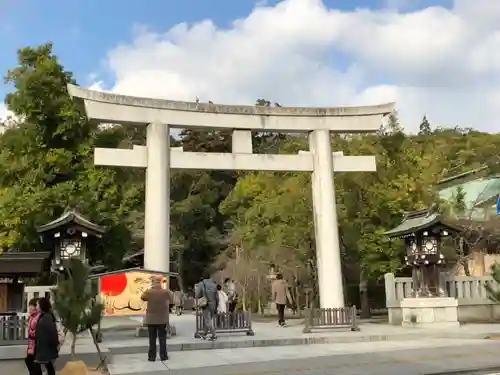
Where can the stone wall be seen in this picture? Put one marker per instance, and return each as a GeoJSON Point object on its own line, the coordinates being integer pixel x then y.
{"type": "Point", "coordinates": [473, 302]}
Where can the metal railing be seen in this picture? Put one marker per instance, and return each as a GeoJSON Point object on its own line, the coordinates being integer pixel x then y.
{"type": "Point", "coordinates": [345, 317]}
{"type": "Point", "coordinates": [235, 322]}
{"type": "Point", "coordinates": [13, 330]}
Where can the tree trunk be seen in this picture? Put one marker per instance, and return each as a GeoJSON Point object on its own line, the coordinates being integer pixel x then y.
{"type": "Point", "coordinates": [344, 286]}
{"type": "Point", "coordinates": [259, 296]}
{"type": "Point", "coordinates": [103, 366]}
{"type": "Point", "coordinates": [463, 259]}
{"type": "Point", "coordinates": [73, 344]}
{"type": "Point", "coordinates": [180, 264]}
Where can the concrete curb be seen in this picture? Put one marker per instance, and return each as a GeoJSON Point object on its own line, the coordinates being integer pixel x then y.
{"type": "Point", "coordinates": [495, 369]}
{"type": "Point", "coordinates": [255, 342]}
{"type": "Point", "coordinates": [19, 351]}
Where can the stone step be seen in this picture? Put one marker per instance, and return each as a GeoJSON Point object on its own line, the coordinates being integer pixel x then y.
{"type": "Point", "coordinates": [135, 346]}
{"type": "Point", "coordinates": [355, 358]}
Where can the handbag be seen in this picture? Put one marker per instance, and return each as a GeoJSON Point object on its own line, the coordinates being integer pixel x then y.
{"type": "Point", "coordinates": [202, 301]}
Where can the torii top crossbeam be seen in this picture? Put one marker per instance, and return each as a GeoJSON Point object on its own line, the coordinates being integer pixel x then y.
{"type": "Point", "coordinates": [124, 109]}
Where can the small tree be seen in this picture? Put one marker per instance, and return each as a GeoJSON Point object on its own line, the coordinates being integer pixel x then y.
{"type": "Point", "coordinates": [76, 306]}
{"type": "Point", "coordinates": [425, 127]}
{"type": "Point", "coordinates": [493, 289]}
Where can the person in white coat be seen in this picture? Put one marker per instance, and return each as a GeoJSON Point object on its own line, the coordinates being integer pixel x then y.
{"type": "Point", "coordinates": [223, 300]}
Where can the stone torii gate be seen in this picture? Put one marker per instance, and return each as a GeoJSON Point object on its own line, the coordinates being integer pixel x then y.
{"type": "Point", "coordinates": [158, 158]}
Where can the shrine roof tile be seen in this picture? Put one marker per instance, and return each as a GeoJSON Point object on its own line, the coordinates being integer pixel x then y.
{"type": "Point", "coordinates": [68, 217]}
{"type": "Point", "coordinates": [417, 221]}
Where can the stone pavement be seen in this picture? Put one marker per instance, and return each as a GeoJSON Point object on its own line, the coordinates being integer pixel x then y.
{"type": "Point", "coordinates": [426, 356]}
{"type": "Point", "coordinates": [268, 334]}
{"type": "Point", "coordinates": [121, 347]}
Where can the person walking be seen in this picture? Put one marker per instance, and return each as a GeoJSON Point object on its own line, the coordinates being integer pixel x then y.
{"type": "Point", "coordinates": [178, 302]}
{"type": "Point", "coordinates": [207, 299]}
{"type": "Point", "coordinates": [158, 302]}
{"type": "Point", "coordinates": [33, 316]}
{"type": "Point", "coordinates": [46, 339]}
{"type": "Point", "coordinates": [281, 295]}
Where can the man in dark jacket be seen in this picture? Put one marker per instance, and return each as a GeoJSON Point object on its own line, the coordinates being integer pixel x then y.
{"type": "Point", "coordinates": [208, 289]}
{"type": "Point", "coordinates": [157, 317]}
{"type": "Point", "coordinates": [46, 339]}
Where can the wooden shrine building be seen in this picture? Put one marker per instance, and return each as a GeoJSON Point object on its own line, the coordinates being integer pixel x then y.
{"type": "Point", "coordinates": [15, 268]}
{"type": "Point", "coordinates": [70, 235]}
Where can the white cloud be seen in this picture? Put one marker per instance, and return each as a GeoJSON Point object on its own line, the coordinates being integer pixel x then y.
{"type": "Point", "coordinates": [443, 63]}
{"type": "Point", "coordinates": [3, 112]}
{"type": "Point", "coordinates": [7, 118]}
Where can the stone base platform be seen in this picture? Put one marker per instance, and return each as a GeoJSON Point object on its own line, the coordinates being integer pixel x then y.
{"type": "Point", "coordinates": [433, 312]}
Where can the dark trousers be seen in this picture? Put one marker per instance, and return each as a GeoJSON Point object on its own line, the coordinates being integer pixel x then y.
{"type": "Point", "coordinates": [231, 308]}
{"type": "Point", "coordinates": [281, 313]}
{"type": "Point", "coordinates": [30, 363]}
{"type": "Point", "coordinates": [37, 368]}
{"type": "Point", "coordinates": [157, 331]}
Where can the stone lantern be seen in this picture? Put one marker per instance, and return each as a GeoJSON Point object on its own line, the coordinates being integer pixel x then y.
{"type": "Point", "coordinates": [423, 233]}
{"type": "Point", "coordinates": [272, 272]}
{"type": "Point", "coordinates": [69, 236]}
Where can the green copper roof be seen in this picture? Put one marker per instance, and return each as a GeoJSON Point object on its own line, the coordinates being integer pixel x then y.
{"type": "Point", "coordinates": [476, 193]}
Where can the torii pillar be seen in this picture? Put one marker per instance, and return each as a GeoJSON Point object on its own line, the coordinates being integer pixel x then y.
{"type": "Point", "coordinates": [158, 159]}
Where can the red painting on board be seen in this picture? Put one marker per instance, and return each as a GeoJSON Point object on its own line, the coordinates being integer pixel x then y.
{"type": "Point", "coordinates": [121, 293]}
{"type": "Point", "coordinates": [113, 285]}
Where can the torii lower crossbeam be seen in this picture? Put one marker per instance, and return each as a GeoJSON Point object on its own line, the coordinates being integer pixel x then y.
{"type": "Point", "coordinates": [158, 159]}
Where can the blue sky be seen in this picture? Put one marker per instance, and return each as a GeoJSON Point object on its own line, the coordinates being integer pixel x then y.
{"type": "Point", "coordinates": [439, 58]}
{"type": "Point", "coordinates": [84, 30]}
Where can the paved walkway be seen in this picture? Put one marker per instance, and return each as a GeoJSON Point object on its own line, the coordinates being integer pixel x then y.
{"type": "Point", "coordinates": [268, 334]}
{"type": "Point", "coordinates": [374, 345]}
{"type": "Point", "coordinates": [388, 358]}
{"type": "Point", "coordinates": [375, 348]}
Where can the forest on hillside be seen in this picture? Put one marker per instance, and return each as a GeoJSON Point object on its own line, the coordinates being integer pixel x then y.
{"type": "Point", "coordinates": [241, 224]}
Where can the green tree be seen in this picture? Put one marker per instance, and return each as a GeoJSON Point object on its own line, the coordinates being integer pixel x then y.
{"type": "Point", "coordinates": [273, 210]}
{"type": "Point", "coordinates": [74, 302]}
{"type": "Point", "coordinates": [424, 127]}
{"type": "Point", "coordinates": [46, 161]}
{"type": "Point", "coordinates": [197, 224]}
{"type": "Point", "coordinates": [493, 290]}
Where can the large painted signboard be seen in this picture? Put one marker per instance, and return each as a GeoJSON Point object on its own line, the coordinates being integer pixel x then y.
{"type": "Point", "coordinates": [121, 292]}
